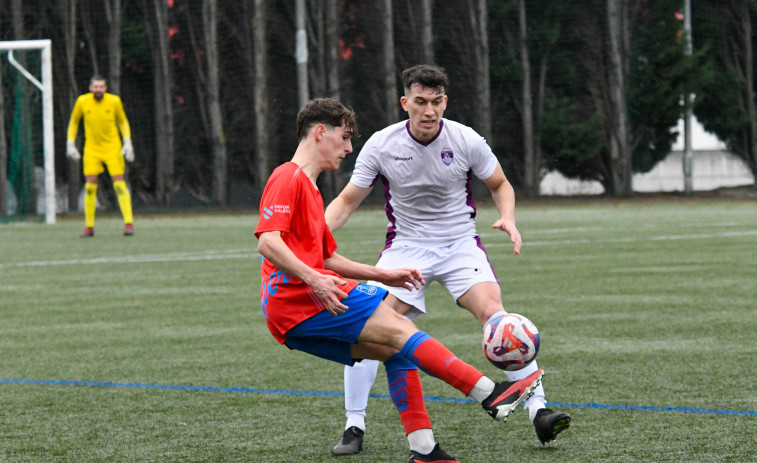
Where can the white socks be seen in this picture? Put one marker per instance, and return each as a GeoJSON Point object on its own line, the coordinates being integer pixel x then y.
{"type": "Point", "coordinates": [483, 388]}
{"type": "Point", "coordinates": [421, 441]}
{"type": "Point", "coordinates": [358, 380]}
{"type": "Point", "coordinates": [538, 400]}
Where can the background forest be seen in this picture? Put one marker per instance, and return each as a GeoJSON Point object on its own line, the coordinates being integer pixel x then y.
{"type": "Point", "coordinates": [590, 88]}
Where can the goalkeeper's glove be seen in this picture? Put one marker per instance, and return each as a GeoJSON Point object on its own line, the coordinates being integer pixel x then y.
{"type": "Point", "coordinates": [128, 150]}
{"type": "Point", "coordinates": [71, 151]}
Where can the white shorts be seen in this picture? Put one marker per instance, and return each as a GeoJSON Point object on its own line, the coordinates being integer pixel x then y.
{"type": "Point", "coordinates": [457, 267]}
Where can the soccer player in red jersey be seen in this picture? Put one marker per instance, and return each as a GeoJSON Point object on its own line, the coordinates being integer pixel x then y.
{"type": "Point", "coordinates": [313, 303]}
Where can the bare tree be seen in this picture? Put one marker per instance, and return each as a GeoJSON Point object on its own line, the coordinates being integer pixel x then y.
{"type": "Point", "coordinates": [67, 11]}
{"type": "Point", "coordinates": [262, 146]}
{"type": "Point", "coordinates": [113, 16]}
{"type": "Point", "coordinates": [531, 175]}
{"type": "Point", "coordinates": [209, 90]}
{"type": "Point", "coordinates": [316, 33]}
{"type": "Point", "coordinates": [301, 52]}
{"type": "Point", "coordinates": [217, 139]}
{"type": "Point", "coordinates": [3, 156]}
{"type": "Point", "coordinates": [427, 32]}
{"type": "Point", "coordinates": [323, 39]}
{"type": "Point", "coordinates": [156, 22]}
{"type": "Point", "coordinates": [620, 152]}
{"type": "Point", "coordinates": [605, 64]}
{"type": "Point", "coordinates": [482, 119]}
{"type": "Point", "coordinates": [390, 68]}
{"type": "Point", "coordinates": [89, 31]}
{"type": "Point", "coordinates": [745, 13]}
{"type": "Point", "coordinates": [332, 47]}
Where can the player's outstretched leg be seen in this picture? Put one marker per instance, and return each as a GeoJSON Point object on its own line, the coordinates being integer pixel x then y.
{"type": "Point", "coordinates": [508, 394]}
{"type": "Point", "coordinates": [498, 399]}
{"type": "Point", "coordinates": [358, 380]}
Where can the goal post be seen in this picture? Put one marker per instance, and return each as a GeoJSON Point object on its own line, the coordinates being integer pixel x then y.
{"type": "Point", "coordinates": [46, 87]}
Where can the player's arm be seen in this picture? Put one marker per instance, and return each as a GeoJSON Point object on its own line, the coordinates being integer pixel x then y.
{"type": "Point", "coordinates": [73, 129]}
{"type": "Point", "coordinates": [408, 278]}
{"type": "Point", "coordinates": [342, 207]}
{"type": "Point", "coordinates": [503, 195]}
{"type": "Point", "coordinates": [122, 121]}
{"type": "Point", "coordinates": [73, 123]}
{"type": "Point", "coordinates": [326, 287]}
{"type": "Point", "coordinates": [123, 126]}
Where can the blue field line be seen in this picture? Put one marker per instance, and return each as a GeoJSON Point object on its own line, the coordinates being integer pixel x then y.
{"type": "Point", "coordinates": [378, 396]}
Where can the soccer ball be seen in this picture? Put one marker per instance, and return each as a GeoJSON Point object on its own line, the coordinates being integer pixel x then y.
{"type": "Point", "coordinates": [510, 341]}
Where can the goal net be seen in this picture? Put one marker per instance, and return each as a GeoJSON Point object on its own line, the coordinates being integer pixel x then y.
{"type": "Point", "coordinates": [27, 161]}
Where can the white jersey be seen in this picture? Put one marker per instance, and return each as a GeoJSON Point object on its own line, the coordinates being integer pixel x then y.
{"type": "Point", "coordinates": [427, 187]}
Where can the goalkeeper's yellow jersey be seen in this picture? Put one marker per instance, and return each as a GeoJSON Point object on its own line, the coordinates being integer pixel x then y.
{"type": "Point", "coordinates": [102, 121]}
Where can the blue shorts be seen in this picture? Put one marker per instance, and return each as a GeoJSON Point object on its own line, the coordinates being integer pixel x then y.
{"type": "Point", "coordinates": [330, 337]}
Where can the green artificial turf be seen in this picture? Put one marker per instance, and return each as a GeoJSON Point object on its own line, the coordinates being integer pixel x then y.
{"type": "Point", "coordinates": [153, 348]}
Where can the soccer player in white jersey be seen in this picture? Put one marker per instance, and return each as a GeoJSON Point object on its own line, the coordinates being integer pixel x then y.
{"type": "Point", "coordinates": [426, 165]}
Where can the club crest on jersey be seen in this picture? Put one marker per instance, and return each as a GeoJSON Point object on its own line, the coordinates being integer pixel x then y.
{"type": "Point", "coordinates": [447, 156]}
{"type": "Point", "coordinates": [369, 290]}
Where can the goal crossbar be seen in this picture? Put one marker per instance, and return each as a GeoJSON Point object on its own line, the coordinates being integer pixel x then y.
{"type": "Point", "coordinates": [46, 86]}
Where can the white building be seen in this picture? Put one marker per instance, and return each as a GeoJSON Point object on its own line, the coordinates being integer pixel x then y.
{"type": "Point", "coordinates": [712, 167]}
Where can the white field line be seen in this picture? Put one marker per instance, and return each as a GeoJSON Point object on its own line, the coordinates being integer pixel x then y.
{"type": "Point", "coordinates": [695, 236]}
{"type": "Point", "coordinates": [249, 253]}
{"type": "Point", "coordinates": [173, 257]}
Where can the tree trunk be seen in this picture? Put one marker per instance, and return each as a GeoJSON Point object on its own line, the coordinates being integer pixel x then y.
{"type": "Point", "coordinates": [427, 32]}
{"type": "Point", "coordinates": [332, 183]}
{"type": "Point", "coordinates": [3, 157]}
{"type": "Point", "coordinates": [114, 15]}
{"type": "Point", "coordinates": [217, 139]}
{"type": "Point", "coordinates": [156, 22]}
{"type": "Point", "coordinates": [316, 31]}
{"type": "Point", "coordinates": [262, 144]}
{"type": "Point", "coordinates": [390, 71]}
{"type": "Point", "coordinates": [749, 95]}
{"type": "Point", "coordinates": [531, 167]}
{"type": "Point", "coordinates": [67, 10]}
{"type": "Point", "coordinates": [482, 116]}
{"type": "Point", "coordinates": [91, 35]}
{"type": "Point", "coordinates": [332, 46]}
{"type": "Point", "coordinates": [620, 153]}
{"type": "Point", "coordinates": [541, 96]}
{"type": "Point", "coordinates": [301, 53]}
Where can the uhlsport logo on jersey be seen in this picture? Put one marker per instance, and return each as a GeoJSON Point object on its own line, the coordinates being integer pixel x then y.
{"type": "Point", "coordinates": [268, 211]}
{"type": "Point", "coordinates": [447, 156]}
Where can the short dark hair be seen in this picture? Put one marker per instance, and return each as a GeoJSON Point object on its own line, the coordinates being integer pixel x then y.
{"type": "Point", "coordinates": [97, 77]}
{"type": "Point", "coordinates": [325, 111]}
{"type": "Point", "coordinates": [426, 75]}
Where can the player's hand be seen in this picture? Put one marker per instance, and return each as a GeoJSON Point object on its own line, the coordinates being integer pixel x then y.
{"type": "Point", "coordinates": [128, 150]}
{"type": "Point", "coordinates": [408, 278]}
{"type": "Point", "coordinates": [326, 287]}
{"type": "Point", "coordinates": [71, 151]}
{"type": "Point", "coordinates": [508, 226]}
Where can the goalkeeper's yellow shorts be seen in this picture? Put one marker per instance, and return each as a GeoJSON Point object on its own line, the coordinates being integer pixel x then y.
{"type": "Point", "coordinates": [95, 162]}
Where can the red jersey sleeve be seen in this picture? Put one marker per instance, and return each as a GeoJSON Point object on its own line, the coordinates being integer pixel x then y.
{"type": "Point", "coordinates": [276, 205]}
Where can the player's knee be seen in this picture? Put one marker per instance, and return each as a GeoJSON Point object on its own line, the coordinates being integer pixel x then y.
{"type": "Point", "coordinates": [484, 312]}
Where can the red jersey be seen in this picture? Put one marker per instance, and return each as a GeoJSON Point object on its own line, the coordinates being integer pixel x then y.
{"type": "Point", "coordinates": [292, 205]}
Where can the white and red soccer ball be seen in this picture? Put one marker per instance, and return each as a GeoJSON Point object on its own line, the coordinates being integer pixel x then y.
{"type": "Point", "coordinates": [510, 341]}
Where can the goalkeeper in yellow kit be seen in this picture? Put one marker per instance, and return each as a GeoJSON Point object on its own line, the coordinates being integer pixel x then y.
{"type": "Point", "coordinates": [104, 118]}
